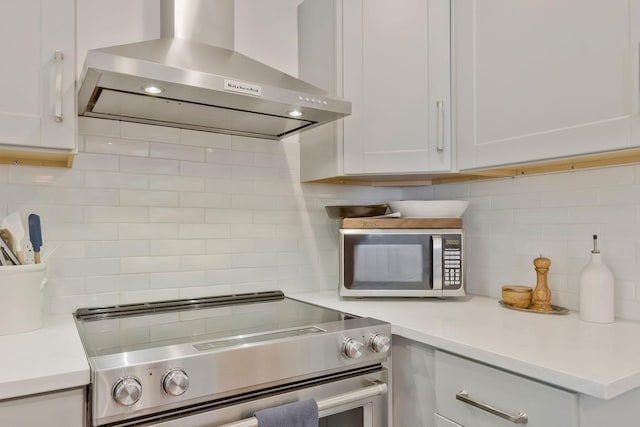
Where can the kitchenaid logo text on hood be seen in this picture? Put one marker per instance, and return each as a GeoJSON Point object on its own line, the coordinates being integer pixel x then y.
{"type": "Point", "coordinates": [242, 87]}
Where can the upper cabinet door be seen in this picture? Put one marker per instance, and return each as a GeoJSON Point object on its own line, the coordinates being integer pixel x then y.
{"type": "Point", "coordinates": [540, 79]}
{"type": "Point", "coordinates": [37, 44]}
{"type": "Point", "coordinates": [392, 60]}
{"type": "Point", "coordinates": [396, 62]}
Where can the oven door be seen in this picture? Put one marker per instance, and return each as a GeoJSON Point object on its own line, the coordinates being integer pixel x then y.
{"type": "Point", "coordinates": [357, 401]}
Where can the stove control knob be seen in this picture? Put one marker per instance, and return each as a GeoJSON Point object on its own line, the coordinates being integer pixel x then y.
{"type": "Point", "coordinates": [175, 382]}
{"type": "Point", "coordinates": [380, 343]}
{"type": "Point", "coordinates": [127, 391]}
{"type": "Point", "coordinates": [353, 349]}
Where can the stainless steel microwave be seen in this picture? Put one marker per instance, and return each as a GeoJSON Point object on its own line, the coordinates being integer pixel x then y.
{"type": "Point", "coordinates": [402, 262]}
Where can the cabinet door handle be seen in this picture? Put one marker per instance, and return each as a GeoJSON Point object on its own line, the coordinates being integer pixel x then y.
{"type": "Point", "coordinates": [58, 56]}
{"type": "Point", "coordinates": [521, 418]}
{"type": "Point", "coordinates": [440, 126]}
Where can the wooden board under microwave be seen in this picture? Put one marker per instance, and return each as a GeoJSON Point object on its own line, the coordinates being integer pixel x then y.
{"type": "Point", "coordinates": [402, 223]}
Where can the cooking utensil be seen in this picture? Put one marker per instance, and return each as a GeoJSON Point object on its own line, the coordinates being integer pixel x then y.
{"type": "Point", "coordinates": [355, 211]}
{"type": "Point", "coordinates": [7, 257]}
{"type": "Point", "coordinates": [14, 225]}
{"type": "Point", "coordinates": [35, 235]}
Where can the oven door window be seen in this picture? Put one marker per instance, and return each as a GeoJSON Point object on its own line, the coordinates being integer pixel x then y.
{"type": "Point", "coordinates": [387, 261]}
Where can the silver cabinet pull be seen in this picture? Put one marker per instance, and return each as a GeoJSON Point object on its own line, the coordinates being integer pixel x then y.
{"type": "Point", "coordinates": [440, 125]}
{"type": "Point", "coordinates": [58, 56]}
{"type": "Point", "coordinates": [521, 418]}
{"type": "Point", "coordinates": [330, 402]}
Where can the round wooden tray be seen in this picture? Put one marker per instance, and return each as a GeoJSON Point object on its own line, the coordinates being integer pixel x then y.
{"type": "Point", "coordinates": [555, 309]}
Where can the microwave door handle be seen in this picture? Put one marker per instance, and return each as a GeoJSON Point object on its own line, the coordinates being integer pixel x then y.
{"type": "Point", "coordinates": [436, 262]}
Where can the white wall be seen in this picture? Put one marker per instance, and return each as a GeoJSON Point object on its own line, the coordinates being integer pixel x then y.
{"type": "Point", "coordinates": [512, 221]}
{"type": "Point", "coordinates": [152, 213]}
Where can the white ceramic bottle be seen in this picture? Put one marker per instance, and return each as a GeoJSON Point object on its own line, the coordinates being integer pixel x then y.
{"type": "Point", "coordinates": [596, 289]}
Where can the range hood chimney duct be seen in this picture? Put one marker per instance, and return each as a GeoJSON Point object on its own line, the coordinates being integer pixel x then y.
{"type": "Point", "coordinates": [192, 78]}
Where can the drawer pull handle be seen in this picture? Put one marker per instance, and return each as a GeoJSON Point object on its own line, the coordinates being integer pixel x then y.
{"type": "Point", "coordinates": [521, 418]}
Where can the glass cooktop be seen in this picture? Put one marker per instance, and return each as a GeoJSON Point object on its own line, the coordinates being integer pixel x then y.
{"type": "Point", "coordinates": [223, 323]}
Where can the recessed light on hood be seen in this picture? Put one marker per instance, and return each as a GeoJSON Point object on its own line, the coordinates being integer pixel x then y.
{"type": "Point", "coordinates": [153, 89]}
{"type": "Point", "coordinates": [200, 86]}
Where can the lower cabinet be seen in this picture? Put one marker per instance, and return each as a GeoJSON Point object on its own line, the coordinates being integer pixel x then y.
{"type": "Point", "coordinates": [473, 394]}
{"type": "Point", "coordinates": [413, 371]}
{"type": "Point", "coordinates": [433, 388]}
{"type": "Point", "coordinates": [56, 409]}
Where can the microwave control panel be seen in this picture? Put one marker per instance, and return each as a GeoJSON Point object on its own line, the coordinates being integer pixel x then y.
{"type": "Point", "coordinates": [452, 259]}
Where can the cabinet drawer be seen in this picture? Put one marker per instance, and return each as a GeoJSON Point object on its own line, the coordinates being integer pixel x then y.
{"type": "Point", "coordinates": [543, 405]}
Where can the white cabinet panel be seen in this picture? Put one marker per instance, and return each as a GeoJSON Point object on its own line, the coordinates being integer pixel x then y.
{"type": "Point", "coordinates": [36, 87]}
{"type": "Point", "coordinates": [544, 406]}
{"type": "Point", "coordinates": [542, 79]}
{"type": "Point", "coordinates": [413, 383]}
{"type": "Point", "coordinates": [57, 409]}
{"type": "Point", "coordinates": [392, 61]}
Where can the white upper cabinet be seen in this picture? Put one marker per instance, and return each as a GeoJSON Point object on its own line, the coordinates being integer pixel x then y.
{"type": "Point", "coordinates": [543, 79]}
{"type": "Point", "coordinates": [392, 61]}
{"type": "Point", "coordinates": [37, 105]}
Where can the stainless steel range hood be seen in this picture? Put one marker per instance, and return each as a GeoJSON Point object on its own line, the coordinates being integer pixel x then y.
{"type": "Point", "coordinates": [201, 87]}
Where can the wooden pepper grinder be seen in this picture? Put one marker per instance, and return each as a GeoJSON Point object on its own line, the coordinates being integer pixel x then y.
{"type": "Point", "coordinates": [542, 294]}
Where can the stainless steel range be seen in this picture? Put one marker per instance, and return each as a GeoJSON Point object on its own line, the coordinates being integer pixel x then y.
{"type": "Point", "coordinates": [215, 361]}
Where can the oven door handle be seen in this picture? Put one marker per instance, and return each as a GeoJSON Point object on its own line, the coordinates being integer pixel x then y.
{"type": "Point", "coordinates": [378, 389]}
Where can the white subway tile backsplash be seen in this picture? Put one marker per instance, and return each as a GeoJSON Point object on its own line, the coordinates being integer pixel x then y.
{"type": "Point", "coordinates": [610, 214]}
{"type": "Point", "coordinates": [177, 215]}
{"type": "Point", "coordinates": [96, 162]}
{"type": "Point", "coordinates": [149, 198]}
{"type": "Point", "coordinates": [204, 231]}
{"type": "Point", "coordinates": [253, 201]}
{"type": "Point", "coordinates": [145, 165]}
{"type": "Point", "coordinates": [115, 146]}
{"type": "Point", "coordinates": [46, 176]}
{"type": "Point", "coordinates": [134, 231]}
{"type": "Point", "coordinates": [116, 180]}
{"type": "Point", "coordinates": [176, 183]}
{"type": "Point", "coordinates": [541, 216]}
{"type": "Point", "coordinates": [108, 214]}
{"type": "Point", "coordinates": [178, 280]}
{"type": "Point", "coordinates": [116, 248]}
{"type": "Point", "coordinates": [205, 139]}
{"type": "Point", "coordinates": [205, 262]}
{"type": "Point", "coordinates": [146, 264]}
{"type": "Point", "coordinates": [228, 186]}
{"type": "Point", "coordinates": [568, 198]}
{"type": "Point", "coordinates": [229, 216]}
{"type": "Point", "coordinates": [73, 267]}
{"type": "Point", "coordinates": [230, 246]}
{"type": "Point", "coordinates": [253, 231]}
{"type": "Point", "coordinates": [91, 126]}
{"type": "Point", "coordinates": [178, 247]}
{"type": "Point", "coordinates": [208, 170]}
{"type": "Point", "coordinates": [229, 157]}
{"type": "Point", "coordinates": [176, 152]}
{"type": "Point", "coordinates": [117, 283]}
{"type": "Point", "coordinates": [205, 200]}
{"type": "Point", "coordinates": [83, 232]}
{"type": "Point", "coordinates": [149, 132]}
{"type": "Point", "coordinates": [254, 260]}
{"type": "Point", "coordinates": [152, 213]}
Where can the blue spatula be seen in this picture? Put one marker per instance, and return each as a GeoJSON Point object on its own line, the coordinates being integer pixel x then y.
{"type": "Point", "coordinates": [35, 235]}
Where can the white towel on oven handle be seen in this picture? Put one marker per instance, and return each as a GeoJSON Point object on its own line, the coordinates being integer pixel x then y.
{"type": "Point", "coordinates": [297, 414]}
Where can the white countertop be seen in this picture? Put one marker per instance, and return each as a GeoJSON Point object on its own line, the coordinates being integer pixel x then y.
{"type": "Point", "coordinates": [48, 359]}
{"type": "Point", "coordinates": [601, 360]}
